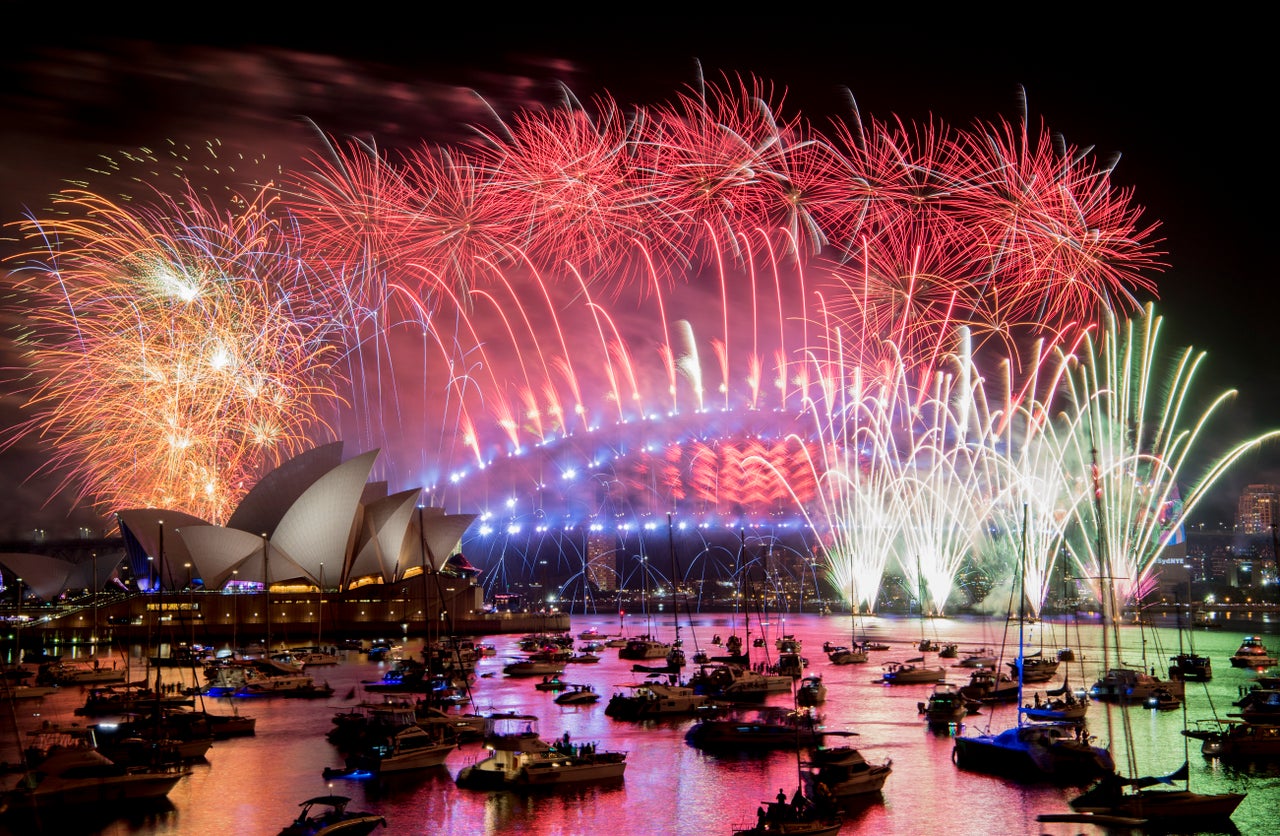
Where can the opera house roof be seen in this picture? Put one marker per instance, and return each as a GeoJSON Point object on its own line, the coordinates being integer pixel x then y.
{"type": "Point", "coordinates": [316, 519]}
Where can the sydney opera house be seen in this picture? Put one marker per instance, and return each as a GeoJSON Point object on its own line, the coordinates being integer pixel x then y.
{"type": "Point", "coordinates": [314, 544]}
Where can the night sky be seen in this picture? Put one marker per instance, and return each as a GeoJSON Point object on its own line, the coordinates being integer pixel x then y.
{"type": "Point", "coordinates": [1184, 103]}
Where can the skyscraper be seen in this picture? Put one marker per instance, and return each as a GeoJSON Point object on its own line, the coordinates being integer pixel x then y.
{"type": "Point", "coordinates": [1257, 511]}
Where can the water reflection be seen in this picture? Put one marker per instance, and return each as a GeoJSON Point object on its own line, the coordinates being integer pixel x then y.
{"type": "Point", "coordinates": [254, 785]}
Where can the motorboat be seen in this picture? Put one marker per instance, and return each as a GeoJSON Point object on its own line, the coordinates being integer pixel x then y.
{"type": "Point", "coordinates": [552, 682]}
{"type": "Point", "coordinates": [788, 643]}
{"type": "Point", "coordinates": [655, 699]}
{"type": "Point", "coordinates": [1252, 653]}
{"type": "Point", "coordinates": [811, 691]}
{"type": "Point", "coordinates": [980, 658]}
{"type": "Point", "coordinates": [1260, 705]}
{"type": "Point", "coordinates": [1191, 666]}
{"type": "Point", "coordinates": [533, 667]}
{"type": "Point", "coordinates": [910, 673]}
{"type": "Point", "coordinates": [801, 816]}
{"type": "Point", "coordinates": [67, 772]}
{"type": "Point", "coordinates": [763, 728]}
{"type": "Point", "coordinates": [577, 695]}
{"type": "Point", "coordinates": [642, 648]}
{"type": "Point", "coordinates": [946, 705]}
{"type": "Point", "coordinates": [1056, 752]}
{"type": "Point", "coordinates": [1133, 685]}
{"type": "Point", "coordinates": [409, 748]}
{"type": "Point", "coordinates": [327, 815]}
{"type": "Point", "coordinates": [790, 664]}
{"type": "Point", "coordinates": [841, 655]}
{"type": "Point", "coordinates": [737, 683]}
{"type": "Point", "coordinates": [1237, 739]}
{"type": "Point", "coordinates": [1034, 668]}
{"type": "Point", "coordinates": [842, 773]}
{"type": "Point", "coordinates": [519, 757]}
{"type": "Point", "coordinates": [1064, 707]}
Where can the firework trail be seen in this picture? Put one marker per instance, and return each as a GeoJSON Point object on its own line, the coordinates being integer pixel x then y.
{"type": "Point", "coordinates": [176, 350]}
{"type": "Point", "coordinates": [585, 294]}
{"type": "Point", "coordinates": [1126, 436]}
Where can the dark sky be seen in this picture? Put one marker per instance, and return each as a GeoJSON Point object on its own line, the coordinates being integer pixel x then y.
{"type": "Point", "coordinates": [1184, 102]}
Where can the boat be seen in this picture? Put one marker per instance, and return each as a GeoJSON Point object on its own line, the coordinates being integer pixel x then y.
{"type": "Point", "coordinates": [841, 773]}
{"type": "Point", "coordinates": [811, 691]}
{"type": "Point", "coordinates": [1237, 739]}
{"type": "Point", "coordinates": [1252, 653]}
{"type": "Point", "coordinates": [945, 706]}
{"type": "Point", "coordinates": [949, 650]}
{"type": "Point", "coordinates": [754, 729]}
{"type": "Point", "coordinates": [986, 687]}
{"type": "Point", "coordinates": [1191, 666]}
{"type": "Point", "coordinates": [577, 695]}
{"type": "Point", "coordinates": [980, 658]}
{"type": "Point", "coordinates": [739, 684]}
{"type": "Point", "coordinates": [1133, 685]}
{"type": "Point", "coordinates": [1064, 707]}
{"type": "Point", "coordinates": [1033, 668]}
{"type": "Point", "coordinates": [161, 737]}
{"type": "Point", "coordinates": [801, 816]}
{"type": "Point", "coordinates": [911, 672]}
{"type": "Point", "coordinates": [260, 677]}
{"type": "Point", "coordinates": [123, 699]}
{"type": "Point", "coordinates": [642, 648]}
{"type": "Point", "coordinates": [533, 667]}
{"type": "Point", "coordinates": [842, 655]}
{"type": "Point", "coordinates": [551, 683]}
{"type": "Point", "coordinates": [327, 815]}
{"type": "Point", "coordinates": [656, 699]}
{"type": "Point", "coordinates": [790, 664]}
{"type": "Point", "coordinates": [1260, 705]}
{"type": "Point", "coordinates": [74, 673]}
{"type": "Point", "coordinates": [1154, 798]}
{"type": "Point", "coordinates": [27, 692]}
{"type": "Point", "coordinates": [520, 758]}
{"type": "Point", "coordinates": [66, 773]}
{"type": "Point", "coordinates": [1057, 752]}
{"type": "Point", "coordinates": [224, 726]}
{"type": "Point", "coordinates": [407, 749]}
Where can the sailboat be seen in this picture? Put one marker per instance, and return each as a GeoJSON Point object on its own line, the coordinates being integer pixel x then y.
{"type": "Point", "coordinates": [855, 653]}
{"type": "Point", "coordinates": [1061, 752]}
{"type": "Point", "coordinates": [1154, 798]}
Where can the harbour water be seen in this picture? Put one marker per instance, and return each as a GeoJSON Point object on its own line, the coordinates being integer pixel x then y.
{"type": "Point", "coordinates": [253, 785]}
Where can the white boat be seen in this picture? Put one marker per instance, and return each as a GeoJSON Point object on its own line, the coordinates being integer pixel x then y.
{"type": "Point", "coordinates": [909, 673]}
{"type": "Point", "coordinates": [642, 648]}
{"type": "Point", "coordinates": [410, 748]}
{"type": "Point", "coordinates": [980, 658]}
{"type": "Point", "coordinates": [1252, 653]}
{"type": "Point", "coordinates": [519, 757]}
{"type": "Point", "coordinates": [733, 682]}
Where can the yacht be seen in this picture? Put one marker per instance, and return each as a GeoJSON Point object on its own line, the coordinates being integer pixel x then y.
{"type": "Point", "coordinates": [519, 757]}
{"type": "Point", "coordinates": [655, 699]}
{"type": "Point", "coordinates": [1252, 653]}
